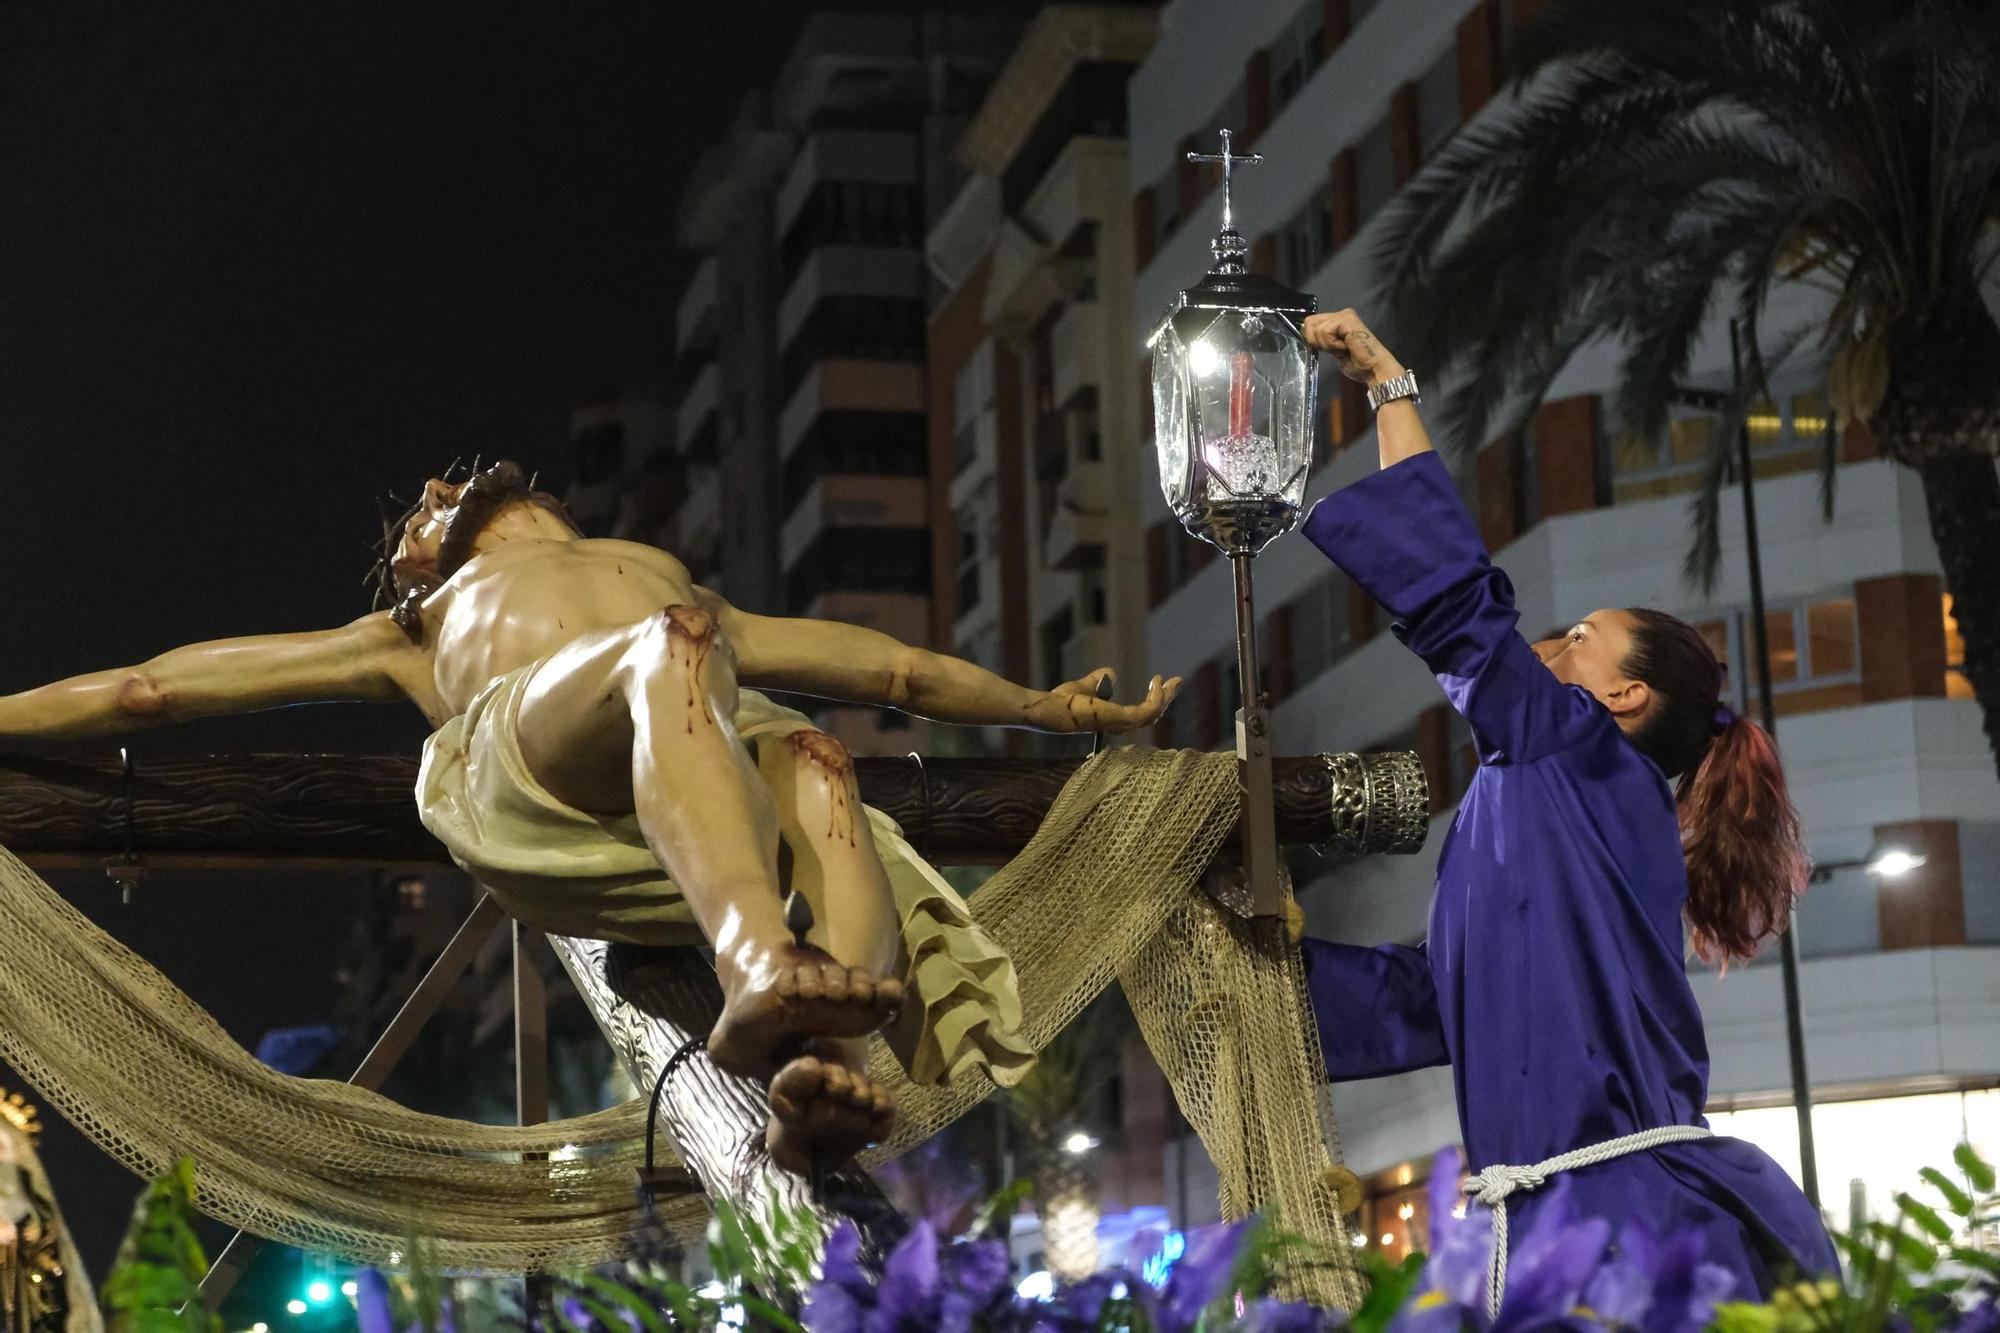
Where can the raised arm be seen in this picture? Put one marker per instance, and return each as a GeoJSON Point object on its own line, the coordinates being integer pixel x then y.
{"type": "Point", "coordinates": [1403, 535]}
{"type": "Point", "coordinates": [363, 660]}
{"type": "Point", "coordinates": [838, 661]}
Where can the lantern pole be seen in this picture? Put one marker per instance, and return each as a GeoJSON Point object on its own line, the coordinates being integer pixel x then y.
{"type": "Point", "coordinates": [1253, 753]}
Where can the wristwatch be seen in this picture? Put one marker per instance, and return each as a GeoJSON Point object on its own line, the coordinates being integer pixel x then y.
{"type": "Point", "coordinates": [1388, 391]}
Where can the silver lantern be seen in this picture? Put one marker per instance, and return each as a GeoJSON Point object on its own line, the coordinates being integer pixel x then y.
{"type": "Point", "coordinates": [1233, 389]}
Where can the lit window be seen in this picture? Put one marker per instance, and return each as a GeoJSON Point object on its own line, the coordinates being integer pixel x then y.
{"type": "Point", "coordinates": [1830, 637]}
{"type": "Point", "coordinates": [1957, 684]}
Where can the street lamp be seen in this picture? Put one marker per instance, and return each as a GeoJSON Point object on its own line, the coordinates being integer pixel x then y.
{"type": "Point", "coordinates": [1788, 950]}
{"type": "Point", "coordinates": [1233, 387]}
{"type": "Point", "coordinates": [1885, 860]}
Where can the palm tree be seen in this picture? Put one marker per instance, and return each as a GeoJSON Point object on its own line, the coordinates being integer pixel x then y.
{"type": "Point", "coordinates": [1661, 157]}
{"type": "Point", "coordinates": [1049, 1105]}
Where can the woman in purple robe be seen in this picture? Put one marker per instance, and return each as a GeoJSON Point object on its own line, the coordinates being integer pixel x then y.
{"type": "Point", "coordinates": [1553, 979]}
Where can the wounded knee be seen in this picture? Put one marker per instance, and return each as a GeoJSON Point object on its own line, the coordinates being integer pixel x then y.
{"type": "Point", "coordinates": [823, 752]}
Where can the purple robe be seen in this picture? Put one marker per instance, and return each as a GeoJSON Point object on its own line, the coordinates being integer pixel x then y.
{"type": "Point", "coordinates": [1553, 980]}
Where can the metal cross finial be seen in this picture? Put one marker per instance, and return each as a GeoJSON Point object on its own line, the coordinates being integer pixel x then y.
{"type": "Point", "coordinates": [1225, 157]}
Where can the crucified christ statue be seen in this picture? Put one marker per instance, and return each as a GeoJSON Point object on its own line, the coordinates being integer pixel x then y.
{"type": "Point", "coordinates": [599, 763]}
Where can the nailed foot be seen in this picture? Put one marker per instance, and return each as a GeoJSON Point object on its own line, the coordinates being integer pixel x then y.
{"type": "Point", "coordinates": [779, 999]}
{"type": "Point", "coordinates": [823, 1111]}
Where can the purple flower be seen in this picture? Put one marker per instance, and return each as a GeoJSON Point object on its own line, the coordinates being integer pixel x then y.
{"type": "Point", "coordinates": [831, 1308]}
{"type": "Point", "coordinates": [371, 1303]}
{"type": "Point", "coordinates": [1433, 1312]}
{"type": "Point", "coordinates": [978, 1267]}
{"type": "Point", "coordinates": [1982, 1318]}
{"type": "Point", "coordinates": [842, 1264]}
{"type": "Point", "coordinates": [1549, 1267]}
{"type": "Point", "coordinates": [1658, 1285]}
{"type": "Point", "coordinates": [1202, 1275]}
{"type": "Point", "coordinates": [907, 1296]}
{"type": "Point", "coordinates": [1461, 1247]}
{"type": "Point", "coordinates": [1269, 1315]}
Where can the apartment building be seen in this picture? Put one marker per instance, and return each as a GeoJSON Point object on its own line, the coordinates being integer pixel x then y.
{"type": "Point", "coordinates": [1037, 542]}
{"type": "Point", "coordinates": [1901, 980]}
{"type": "Point", "coordinates": [802, 431]}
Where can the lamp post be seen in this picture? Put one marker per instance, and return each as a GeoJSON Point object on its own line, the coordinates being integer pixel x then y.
{"type": "Point", "coordinates": [1788, 953]}
{"type": "Point", "coordinates": [1233, 386]}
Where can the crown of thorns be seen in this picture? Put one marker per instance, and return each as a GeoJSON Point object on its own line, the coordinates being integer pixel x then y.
{"type": "Point", "coordinates": [382, 573]}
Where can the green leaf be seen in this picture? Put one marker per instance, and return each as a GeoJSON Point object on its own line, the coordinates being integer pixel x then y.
{"type": "Point", "coordinates": [1979, 1259]}
{"type": "Point", "coordinates": [1389, 1291]}
{"type": "Point", "coordinates": [625, 1298]}
{"type": "Point", "coordinates": [1742, 1317]}
{"type": "Point", "coordinates": [992, 1219]}
{"type": "Point", "coordinates": [1975, 1168]}
{"type": "Point", "coordinates": [1955, 1198]}
{"type": "Point", "coordinates": [1925, 1217]}
{"type": "Point", "coordinates": [1905, 1251]}
{"type": "Point", "coordinates": [767, 1314]}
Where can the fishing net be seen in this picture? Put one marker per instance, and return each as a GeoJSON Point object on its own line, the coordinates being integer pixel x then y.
{"type": "Point", "coordinates": [1108, 888]}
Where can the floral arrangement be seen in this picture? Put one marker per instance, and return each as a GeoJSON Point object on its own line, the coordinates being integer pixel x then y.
{"type": "Point", "coordinates": [1916, 1275]}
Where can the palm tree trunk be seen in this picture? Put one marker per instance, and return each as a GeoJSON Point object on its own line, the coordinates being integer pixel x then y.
{"type": "Point", "coordinates": [1962, 493]}
{"type": "Point", "coordinates": [1941, 416]}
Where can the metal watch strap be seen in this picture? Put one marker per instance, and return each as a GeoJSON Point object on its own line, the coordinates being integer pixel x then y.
{"type": "Point", "coordinates": [1388, 391]}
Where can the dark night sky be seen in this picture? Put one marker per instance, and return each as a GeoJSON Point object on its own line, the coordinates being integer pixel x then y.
{"type": "Point", "coordinates": [259, 262]}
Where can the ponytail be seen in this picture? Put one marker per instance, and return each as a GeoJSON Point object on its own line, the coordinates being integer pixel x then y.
{"type": "Point", "coordinates": [1746, 857]}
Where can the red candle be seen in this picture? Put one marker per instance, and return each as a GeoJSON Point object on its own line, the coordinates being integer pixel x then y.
{"type": "Point", "coordinates": [1239, 395]}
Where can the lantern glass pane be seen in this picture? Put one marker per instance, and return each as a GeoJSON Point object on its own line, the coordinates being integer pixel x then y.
{"type": "Point", "coordinates": [1170, 415]}
{"type": "Point", "coordinates": [1252, 388]}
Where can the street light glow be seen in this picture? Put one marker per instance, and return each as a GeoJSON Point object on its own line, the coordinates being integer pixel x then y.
{"type": "Point", "coordinates": [1895, 862]}
{"type": "Point", "coordinates": [1078, 1144]}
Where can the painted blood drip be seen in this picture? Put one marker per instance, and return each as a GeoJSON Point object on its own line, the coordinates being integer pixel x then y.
{"type": "Point", "coordinates": [825, 753]}
{"type": "Point", "coordinates": [699, 647]}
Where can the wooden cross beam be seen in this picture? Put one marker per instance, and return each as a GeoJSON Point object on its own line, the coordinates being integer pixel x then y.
{"type": "Point", "coordinates": [304, 811]}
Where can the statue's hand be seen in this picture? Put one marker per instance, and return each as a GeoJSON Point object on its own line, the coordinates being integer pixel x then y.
{"type": "Point", "coordinates": [1076, 706]}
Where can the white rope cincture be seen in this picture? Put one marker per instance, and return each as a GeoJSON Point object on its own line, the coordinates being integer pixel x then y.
{"type": "Point", "coordinates": [1492, 1186]}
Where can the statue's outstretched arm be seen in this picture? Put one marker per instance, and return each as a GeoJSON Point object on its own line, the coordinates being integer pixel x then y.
{"type": "Point", "coordinates": [838, 661]}
{"type": "Point", "coordinates": [362, 660]}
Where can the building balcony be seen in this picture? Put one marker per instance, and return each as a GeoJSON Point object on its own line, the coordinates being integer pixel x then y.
{"type": "Point", "coordinates": [839, 383]}
{"type": "Point", "coordinates": [1076, 350]}
{"type": "Point", "coordinates": [695, 319]}
{"type": "Point", "coordinates": [1079, 525]}
{"type": "Point", "coordinates": [847, 501]}
{"type": "Point", "coordinates": [700, 521]}
{"type": "Point", "coordinates": [696, 420]}
{"type": "Point", "coordinates": [901, 615]}
{"type": "Point", "coordinates": [980, 611]}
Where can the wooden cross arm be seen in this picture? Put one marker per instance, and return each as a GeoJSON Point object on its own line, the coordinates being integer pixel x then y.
{"type": "Point", "coordinates": [305, 809]}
